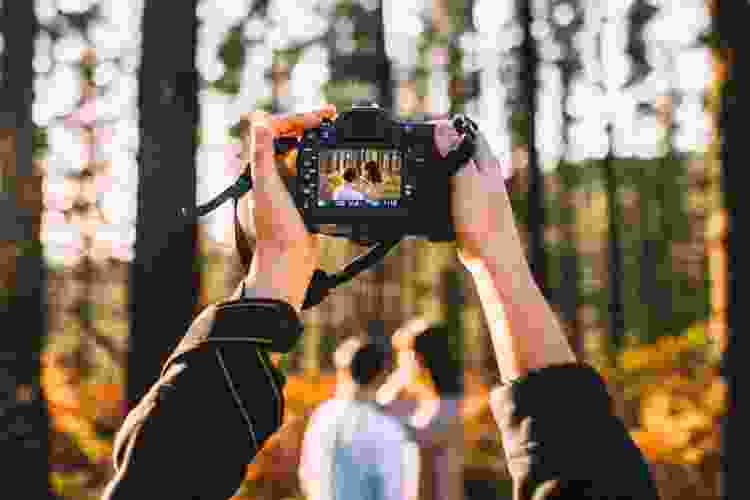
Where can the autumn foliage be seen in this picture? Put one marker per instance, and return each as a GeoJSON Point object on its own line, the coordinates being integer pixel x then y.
{"type": "Point", "coordinates": [669, 393]}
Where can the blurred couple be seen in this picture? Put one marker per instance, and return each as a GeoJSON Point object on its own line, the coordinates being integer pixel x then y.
{"type": "Point", "coordinates": [360, 184]}
{"type": "Point", "coordinates": [392, 431]}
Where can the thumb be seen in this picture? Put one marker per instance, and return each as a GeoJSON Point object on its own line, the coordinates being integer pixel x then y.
{"type": "Point", "coordinates": [261, 147]}
{"type": "Point", "coordinates": [264, 167]}
{"type": "Point", "coordinates": [275, 216]}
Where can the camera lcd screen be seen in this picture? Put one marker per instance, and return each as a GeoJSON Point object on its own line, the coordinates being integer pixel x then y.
{"type": "Point", "coordinates": [359, 178]}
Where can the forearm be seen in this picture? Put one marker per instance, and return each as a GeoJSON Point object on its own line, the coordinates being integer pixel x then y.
{"type": "Point", "coordinates": [526, 333]}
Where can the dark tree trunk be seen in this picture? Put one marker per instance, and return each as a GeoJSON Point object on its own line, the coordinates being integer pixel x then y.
{"type": "Point", "coordinates": [536, 215]}
{"type": "Point", "coordinates": [570, 291]}
{"type": "Point", "coordinates": [614, 248]}
{"type": "Point", "coordinates": [734, 109]}
{"type": "Point", "coordinates": [649, 261]}
{"type": "Point", "coordinates": [165, 279]}
{"type": "Point", "coordinates": [24, 420]}
{"type": "Point", "coordinates": [569, 176]}
{"type": "Point", "coordinates": [385, 78]}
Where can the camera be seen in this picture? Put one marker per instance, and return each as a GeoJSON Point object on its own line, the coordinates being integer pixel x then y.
{"type": "Point", "coordinates": [368, 177]}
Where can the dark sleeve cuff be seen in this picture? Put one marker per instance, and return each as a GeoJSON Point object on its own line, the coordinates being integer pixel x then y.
{"type": "Point", "coordinates": [557, 425]}
{"type": "Point", "coordinates": [271, 324]}
{"type": "Point", "coordinates": [549, 414]}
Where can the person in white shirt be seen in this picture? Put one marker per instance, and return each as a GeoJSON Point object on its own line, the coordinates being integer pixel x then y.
{"type": "Point", "coordinates": [346, 191]}
{"type": "Point", "coordinates": [351, 448]}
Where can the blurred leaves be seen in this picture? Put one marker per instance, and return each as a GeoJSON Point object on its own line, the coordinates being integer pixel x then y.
{"type": "Point", "coordinates": [39, 142]}
{"type": "Point", "coordinates": [345, 93]}
{"type": "Point", "coordinates": [672, 386]}
{"type": "Point", "coordinates": [232, 54]}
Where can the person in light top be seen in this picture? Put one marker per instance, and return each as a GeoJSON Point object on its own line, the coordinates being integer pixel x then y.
{"type": "Point", "coordinates": [352, 449]}
{"type": "Point", "coordinates": [346, 191]}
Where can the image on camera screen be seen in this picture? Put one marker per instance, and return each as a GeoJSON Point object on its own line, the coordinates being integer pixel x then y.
{"type": "Point", "coordinates": [363, 178]}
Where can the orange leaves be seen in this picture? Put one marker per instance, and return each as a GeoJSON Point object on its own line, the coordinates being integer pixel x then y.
{"type": "Point", "coordinates": [482, 448]}
{"type": "Point", "coordinates": [303, 393]}
{"type": "Point", "coordinates": [714, 398]}
{"type": "Point", "coordinates": [279, 458]}
{"type": "Point", "coordinates": [679, 396]}
{"type": "Point", "coordinates": [677, 424]}
{"type": "Point", "coordinates": [662, 355]}
{"type": "Point", "coordinates": [78, 411]}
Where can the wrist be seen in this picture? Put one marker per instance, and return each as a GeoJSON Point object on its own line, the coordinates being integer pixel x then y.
{"type": "Point", "coordinates": [526, 333]}
{"type": "Point", "coordinates": [278, 279]}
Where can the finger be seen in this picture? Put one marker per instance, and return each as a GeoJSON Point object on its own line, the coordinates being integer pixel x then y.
{"type": "Point", "coordinates": [446, 137]}
{"type": "Point", "coordinates": [275, 215]}
{"type": "Point", "coordinates": [296, 123]}
{"type": "Point", "coordinates": [271, 194]}
{"type": "Point", "coordinates": [247, 138]}
{"type": "Point", "coordinates": [489, 160]}
{"type": "Point", "coordinates": [439, 116]}
{"type": "Point", "coordinates": [261, 148]}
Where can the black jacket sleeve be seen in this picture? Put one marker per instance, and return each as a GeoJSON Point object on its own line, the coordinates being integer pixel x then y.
{"type": "Point", "coordinates": [563, 441]}
{"type": "Point", "coordinates": [218, 400]}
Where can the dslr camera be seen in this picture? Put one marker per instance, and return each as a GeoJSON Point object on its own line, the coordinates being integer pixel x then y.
{"type": "Point", "coordinates": [369, 178]}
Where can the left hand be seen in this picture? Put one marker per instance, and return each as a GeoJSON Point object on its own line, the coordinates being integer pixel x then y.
{"type": "Point", "coordinates": [286, 254]}
{"type": "Point", "coordinates": [481, 210]}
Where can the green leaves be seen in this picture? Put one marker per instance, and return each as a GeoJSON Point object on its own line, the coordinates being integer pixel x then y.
{"type": "Point", "coordinates": [39, 142]}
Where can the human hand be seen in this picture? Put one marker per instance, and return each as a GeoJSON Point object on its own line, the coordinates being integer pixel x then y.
{"type": "Point", "coordinates": [482, 215]}
{"type": "Point", "coordinates": [286, 254]}
{"type": "Point", "coordinates": [525, 332]}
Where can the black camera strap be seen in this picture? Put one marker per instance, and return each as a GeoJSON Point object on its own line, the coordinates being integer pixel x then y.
{"type": "Point", "coordinates": [322, 283]}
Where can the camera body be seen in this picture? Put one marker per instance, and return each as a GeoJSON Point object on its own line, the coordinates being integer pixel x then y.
{"type": "Point", "coordinates": [370, 178]}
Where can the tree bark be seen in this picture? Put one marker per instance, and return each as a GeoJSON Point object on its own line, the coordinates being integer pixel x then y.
{"type": "Point", "coordinates": [165, 277]}
{"type": "Point", "coordinates": [536, 213]}
{"type": "Point", "coordinates": [24, 419]}
{"type": "Point", "coordinates": [734, 108]}
{"type": "Point", "coordinates": [615, 253]}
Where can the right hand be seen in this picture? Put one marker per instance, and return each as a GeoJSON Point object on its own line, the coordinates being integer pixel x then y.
{"type": "Point", "coordinates": [482, 214]}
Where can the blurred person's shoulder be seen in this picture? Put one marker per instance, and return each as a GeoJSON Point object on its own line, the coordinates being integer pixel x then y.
{"type": "Point", "coordinates": [326, 409]}
{"type": "Point", "coordinates": [396, 423]}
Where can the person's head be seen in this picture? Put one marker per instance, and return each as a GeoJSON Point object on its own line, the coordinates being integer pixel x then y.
{"type": "Point", "coordinates": [373, 172]}
{"type": "Point", "coordinates": [350, 174]}
{"type": "Point", "coordinates": [425, 351]}
{"type": "Point", "coordinates": [363, 362]}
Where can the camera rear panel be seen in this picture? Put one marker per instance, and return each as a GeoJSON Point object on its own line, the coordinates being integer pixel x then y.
{"type": "Point", "coordinates": [369, 178]}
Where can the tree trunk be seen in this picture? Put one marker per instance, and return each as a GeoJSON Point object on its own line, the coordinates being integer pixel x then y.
{"type": "Point", "coordinates": [614, 249]}
{"type": "Point", "coordinates": [733, 40]}
{"type": "Point", "coordinates": [385, 78]}
{"type": "Point", "coordinates": [24, 418]}
{"type": "Point", "coordinates": [570, 292]}
{"type": "Point", "coordinates": [536, 215]}
{"type": "Point", "coordinates": [164, 279]}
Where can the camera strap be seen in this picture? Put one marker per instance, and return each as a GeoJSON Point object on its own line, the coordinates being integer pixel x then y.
{"type": "Point", "coordinates": [322, 283]}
